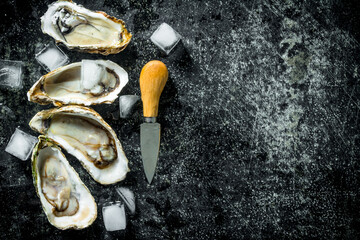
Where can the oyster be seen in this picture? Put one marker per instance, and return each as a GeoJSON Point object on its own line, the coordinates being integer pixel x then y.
{"type": "Point", "coordinates": [65, 199]}
{"type": "Point", "coordinates": [83, 133]}
{"type": "Point", "coordinates": [79, 28]}
{"type": "Point", "coordinates": [83, 83]}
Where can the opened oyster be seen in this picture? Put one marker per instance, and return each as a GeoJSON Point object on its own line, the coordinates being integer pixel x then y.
{"type": "Point", "coordinates": [83, 133]}
{"type": "Point", "coordinates": [83, 29]}
{"type": "Point", "coordinates": [84, 83]}
{"type": "Point", "coordinates": [65, 199]}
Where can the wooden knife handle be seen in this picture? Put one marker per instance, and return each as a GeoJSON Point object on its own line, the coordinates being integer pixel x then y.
{"type": "Point", "coordinates": [153, 77]}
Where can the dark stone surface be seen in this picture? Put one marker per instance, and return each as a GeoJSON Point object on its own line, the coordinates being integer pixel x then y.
{"type": "Point", "coordinates": [260, 121]}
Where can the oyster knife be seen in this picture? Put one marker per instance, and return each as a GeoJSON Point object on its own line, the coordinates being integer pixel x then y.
{"type": "Point", "coordinates": [153, 78]}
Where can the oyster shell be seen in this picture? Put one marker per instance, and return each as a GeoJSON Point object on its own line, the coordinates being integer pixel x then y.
{"type": "Point", "coordinates": [84, 134]}
{"type": "Point", "coordinates": [79, 28]}
{"type": "Point", "coordinates": [101, 82]}
{"type": "Point", "coordinates": [65, 199]}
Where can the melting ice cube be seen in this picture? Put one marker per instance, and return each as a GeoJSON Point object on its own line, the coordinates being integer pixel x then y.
{"type": "Point", "coordinates": [128, 197]}
{"type": "Point", "coordinates": [51, 57]}
{"type": "Point", "coordinates": [21, 144]}
{"type": "Point", "coordinates": [127, 104]}
{"type": "Point", "coordinates": [91, 76]}
{"type": "Point", "coordinates": [165, 37]}
{"type": "Point", "coordinates": [10, 74]}
{"type": "Point", "coordinates": [114, 216]}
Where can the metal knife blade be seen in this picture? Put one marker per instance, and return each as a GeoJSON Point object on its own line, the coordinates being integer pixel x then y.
{"type": "Point", "coordinates": [150, 144]}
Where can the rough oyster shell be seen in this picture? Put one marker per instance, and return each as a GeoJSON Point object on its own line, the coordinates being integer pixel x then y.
{"type": "Point", "coordinates": [65, 199]}
{"type": "Point", "coordinates": [84, 134]}
{"type": "Point", "coordinates": [79, 28]}
{"type": "Point", "coordinates": [63, 85]}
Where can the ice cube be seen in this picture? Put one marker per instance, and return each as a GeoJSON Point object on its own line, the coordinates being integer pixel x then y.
{"type": "Point", "coordinates": [10, 74]}
{"type": "Point", "coordinates": [21, 144]}
{"type": "Point", "coordinates": [91, 76]}
{"type": "Point", "coordinates": [114, 216]}
{"type": "Point", "coordinates": [128, 197]}
{"type": "Point", "coordinates": [51, 57]}
{"type": "Point", "coordinates": [127, 104]}
{"type": "Point", "coordinates": [165, 37]}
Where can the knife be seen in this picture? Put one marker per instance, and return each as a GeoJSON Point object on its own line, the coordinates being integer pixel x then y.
{"type": "Point", "coordinates": [153, 78]}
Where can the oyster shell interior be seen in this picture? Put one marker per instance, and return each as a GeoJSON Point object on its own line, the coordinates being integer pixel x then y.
{"type": "Point", "coordinates": [76, 28]}
{"type": "Point", "coordinates": [67, 84]}
{"type": "Point", "coordinates": [97, 144]}
{"type": "Point", "coordinates": [56, 186]}
{"type": "Point", "coordinates": [83, 29]}
{"type": "Point", "coordinates": [84, 134]}
{"type": "Point", "coordinates": [65, 199]}
{"type": "Point", "coordinates": [84, 83]}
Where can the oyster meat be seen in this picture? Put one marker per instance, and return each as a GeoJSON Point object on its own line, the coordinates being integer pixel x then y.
{"type": "Point", "coordinates": [65, 199]}
{"type": "Point", "coordinates": [83, 83]}
{"type": "Point", "coordinates": [79, 28]}
{"type": "Point", "coordinates": [83, 133]}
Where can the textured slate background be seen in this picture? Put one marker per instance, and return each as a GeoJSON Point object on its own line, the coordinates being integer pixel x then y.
{"type": "Point", "coordinates": [260, 121]}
